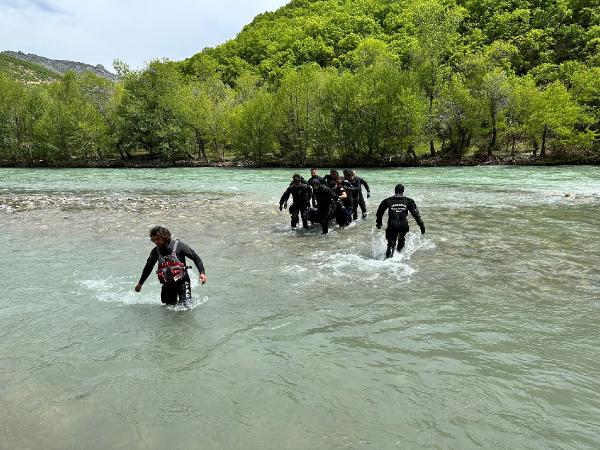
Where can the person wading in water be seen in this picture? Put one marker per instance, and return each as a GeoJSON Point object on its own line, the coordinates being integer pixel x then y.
{"type": "Point", "coordinates": [398, 207]}
{"type": "Point", "coordinates": [172, 271]}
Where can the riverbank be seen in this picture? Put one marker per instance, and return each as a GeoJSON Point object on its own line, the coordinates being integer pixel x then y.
{"type": "Point", "coordinates": [437, 161]}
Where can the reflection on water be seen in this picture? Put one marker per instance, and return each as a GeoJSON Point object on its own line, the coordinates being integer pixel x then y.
{"type": "Point", "coordinates": [481, 333]}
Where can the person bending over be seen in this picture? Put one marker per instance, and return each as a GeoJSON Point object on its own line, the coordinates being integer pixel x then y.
{"type": "Point", "coordinates": [326, 202]}
{"type": "Point", "coordinates": [301, 194]}
{"type": "Point", "coordinates": [172, 271]}
{"type": "Point", "coordinates": [398, 206]}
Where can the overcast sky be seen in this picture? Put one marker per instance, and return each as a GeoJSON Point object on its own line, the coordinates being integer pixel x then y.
{"type": "Point", "coordinates": [136, 31]}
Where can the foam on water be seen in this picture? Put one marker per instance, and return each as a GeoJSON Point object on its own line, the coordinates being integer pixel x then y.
{"type": "Point", "coordinates": [120, 290]}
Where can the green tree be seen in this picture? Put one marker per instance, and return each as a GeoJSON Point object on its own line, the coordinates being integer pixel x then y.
{"type": "Point", "coordinates": [149, 117]}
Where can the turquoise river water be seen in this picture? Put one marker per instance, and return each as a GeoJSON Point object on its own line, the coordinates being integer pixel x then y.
{"type": "Point", "coordinates": [483, 333]}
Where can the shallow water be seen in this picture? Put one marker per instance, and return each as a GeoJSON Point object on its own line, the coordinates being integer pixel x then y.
{"type": "Point", "coordinates": [482, 333]}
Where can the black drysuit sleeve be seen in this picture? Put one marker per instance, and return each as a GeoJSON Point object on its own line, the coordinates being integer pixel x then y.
{"type": "Point", "coordinates": [149, 265]}
{"type": "Point", "coordinates": [188, 252]}
{"type": "Point", "coordinates": [412, 207]}
{"type": "Point", "coordinates": [364, 183]}
{"type": "Point", "coordinates": [383, 206]}
{"type": "Point", "coordinates": [285, 196]}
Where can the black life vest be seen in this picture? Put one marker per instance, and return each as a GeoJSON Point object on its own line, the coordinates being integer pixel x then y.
{"type": "Point", "coordinates": [170, 269]}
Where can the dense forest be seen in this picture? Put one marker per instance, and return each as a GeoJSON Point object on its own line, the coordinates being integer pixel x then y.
{"type": "Point", "coordinates": [358, 82]}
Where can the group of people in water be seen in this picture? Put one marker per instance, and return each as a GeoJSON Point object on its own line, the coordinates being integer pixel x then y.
{"type": "Point", "coordinates": [334, 198]}
{"type": "Point", "coordinates": [322, 200]}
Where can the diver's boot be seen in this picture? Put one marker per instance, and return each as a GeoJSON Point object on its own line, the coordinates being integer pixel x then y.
{"type": "Point", "coordinates": [294, 223]}
{"type": "Point", "coordinates": [355, 215]}
{"type": "Point", "coordinates": [390, 251]}
{"type": "Point", "coordinates": [304, 223]}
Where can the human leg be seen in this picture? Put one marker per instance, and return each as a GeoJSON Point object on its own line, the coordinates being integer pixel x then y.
{"type": "Point", "coordinates": [168, 293]}
{"type": "Point", "coordinates": [363, 206]}
{"type": "Point", "coordinates": [294, 210]}
{"type": "Point", "coordinates": [391, 235]}
{"type": "Point", "coordinates": [184, 290]}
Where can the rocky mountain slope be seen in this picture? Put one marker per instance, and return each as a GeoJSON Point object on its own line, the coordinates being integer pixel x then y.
{"type": "Point", "coordinates": [60, 66]}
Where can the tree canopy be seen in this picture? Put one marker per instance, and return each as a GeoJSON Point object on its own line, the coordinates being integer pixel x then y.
{"type": "Point", "coordinates": [371, 82]}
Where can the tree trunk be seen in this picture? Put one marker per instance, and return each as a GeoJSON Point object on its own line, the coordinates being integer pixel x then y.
{"type": "Point", "coordinates": [201, 144]}
{"type": "Point", "coordinates": [492, 145]}
{"type": "Point", "coordinates": [411, 152]}
{"type": "Point", "coordinates": [431, 143]}
{"type": "Point", "coordinates": [535, 148]}
{"type": "Point", "coordinates": [544, 135]}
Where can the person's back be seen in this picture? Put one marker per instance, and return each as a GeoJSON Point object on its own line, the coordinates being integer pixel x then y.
{"type": "Point", "coordinates": [398, 206]}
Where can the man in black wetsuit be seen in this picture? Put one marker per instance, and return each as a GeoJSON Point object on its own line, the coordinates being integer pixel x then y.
{"type": "Point", "coordinates": [344, 211]}
{"type": "Point", "coordinates": [331, 179]}
{"type": "Point", "coordinates": [357, 184]}
{"type": "Point", "coordinates": [314, 176]}
{"type": "Point", "coordinates": [326, 203]}
{"type": "Point", "coordinates": [398, 208]}
{"type": "Point", "coordinates": [166, 251]}
{"type": "Point", "coordinates": [301, 194]}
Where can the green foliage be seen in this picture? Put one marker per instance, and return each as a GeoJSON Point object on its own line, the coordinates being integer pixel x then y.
{"type": "Point", "coordinates": [25, 71]}
{"type": "Point", "coordinates": [148, 116]}
{"type": "Point", "coordinates": [320, 81]}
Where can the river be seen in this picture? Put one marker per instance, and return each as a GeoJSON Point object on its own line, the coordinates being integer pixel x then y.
{"type": "Point", "coordinates": [484, 332]}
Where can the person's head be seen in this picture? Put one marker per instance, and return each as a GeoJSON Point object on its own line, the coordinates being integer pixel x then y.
{"type": "Point", "coordinates": [161, 236]}
{"type": "Point", "coordinates": [349, 174]}
{"type": "Point", "coordinates": [316, 184]}
{"type": "Point", "coordinates": [338, 181]}
{"type": "Point", "coordinates": [333, 173]}
{"type": "Point", "coordinates": [399, 189]}
{"type": "Point", "coordinates": [313, 172]}
{"type": "Point", "coordinates": [296, 179]}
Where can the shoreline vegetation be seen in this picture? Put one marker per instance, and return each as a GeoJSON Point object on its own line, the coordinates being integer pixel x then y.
{"type": "Point", "coordinates": [145, 163]}
{"type": "Point", "coordinates": [336, 83]}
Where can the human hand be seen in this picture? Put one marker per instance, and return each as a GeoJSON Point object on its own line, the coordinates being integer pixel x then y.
{"type": "Point", "coordinates": [203, 278]}
{"type": "Point", "coordinates": [138, 287]}
{"type": "Point", "coordinates": [280, 207]}
{"type": "Point", "coordinates": [368, 195]}
{"type": "Point", "coordinates": [422, 230]}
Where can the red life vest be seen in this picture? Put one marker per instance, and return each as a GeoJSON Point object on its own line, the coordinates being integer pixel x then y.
{"type": "Point", "coordinates": [170, 269]}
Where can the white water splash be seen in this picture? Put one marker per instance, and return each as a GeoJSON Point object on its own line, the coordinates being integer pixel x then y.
{"type": "Point", "coordinates": [120, 290]}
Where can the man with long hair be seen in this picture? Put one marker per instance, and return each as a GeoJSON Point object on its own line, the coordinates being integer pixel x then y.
{"type": "Point", "coordinates": [172, 271]}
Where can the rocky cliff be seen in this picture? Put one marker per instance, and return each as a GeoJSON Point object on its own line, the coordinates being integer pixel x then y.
{"type": "Point", "coordinates": [61, 66]}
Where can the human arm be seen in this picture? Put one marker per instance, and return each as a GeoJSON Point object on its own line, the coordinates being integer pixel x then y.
{"type": "Point", "coordinates": [189, 252]}
{"type": "Point", "coordinates": [364, 183]}
{"type": "Point", "coordinates": [150, 262]}
{"type": "Point", "coordinates": [383, 206]}
{"type": "Point", "coordinates": [284, 198]}
{"type": "Point", "coordinates": [414, 211]}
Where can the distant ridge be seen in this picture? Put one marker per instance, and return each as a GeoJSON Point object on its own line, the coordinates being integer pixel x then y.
{"type": "Point", "coordinates": [61, 66]}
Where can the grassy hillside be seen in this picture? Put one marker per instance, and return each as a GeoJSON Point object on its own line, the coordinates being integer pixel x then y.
{"type": "Point", "coordinates": [25, 71]}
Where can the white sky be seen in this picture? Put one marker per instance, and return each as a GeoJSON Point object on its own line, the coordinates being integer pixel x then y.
{"type": "Point", "coordinates": [136, 31]}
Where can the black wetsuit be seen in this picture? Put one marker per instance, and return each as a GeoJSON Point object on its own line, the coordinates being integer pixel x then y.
{"type": "Point", "coordinates": [301, 195]}
{"type": "Point", "coordinates": [180, 289]}
{"type": "Point", "coordinates": [330, 182]}
{"type": "Point", "coordinates": [311, 182]}
{"type": "Point", "coordinates": [357, 183]}
{"type": "Point", "coordinates": [398, 208]}
{"type": "Point", "coordinates": [344, 212]}
{"type": "Point", "coordinates": [326, 203]}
